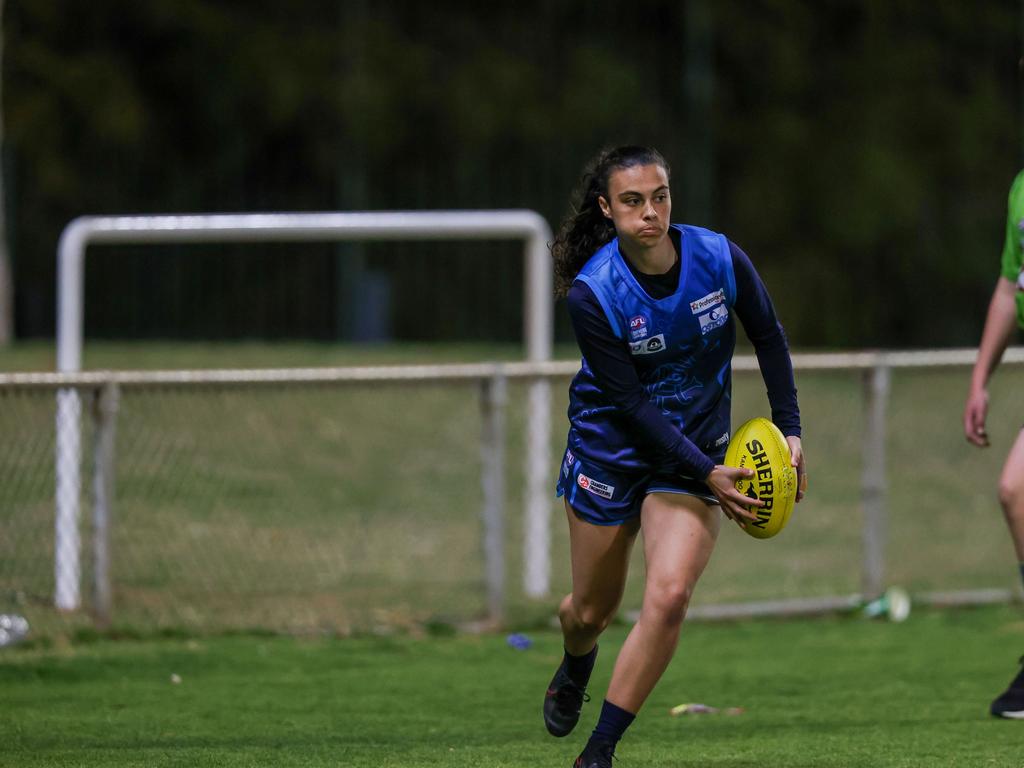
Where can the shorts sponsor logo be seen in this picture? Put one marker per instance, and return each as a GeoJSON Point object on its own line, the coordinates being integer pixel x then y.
{"type": "Point", "coordinates": [722, 440]}
{"type": "Point", "coordinates": [567, 464]}
{"type": "Point", "coordinates": [638, 327]}
{"type": "Point", "coordinates": [714, 319]}
{"type": "Point", "coordinates": [698, 306]}
{"type": "Point", "coordinates": [648, 346]}
{"type": "Point", "coordinates": [591, 485]}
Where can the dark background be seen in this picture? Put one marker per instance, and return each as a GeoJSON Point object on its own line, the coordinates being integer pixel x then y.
{"type": "Point", "coordinates": [861, 152]}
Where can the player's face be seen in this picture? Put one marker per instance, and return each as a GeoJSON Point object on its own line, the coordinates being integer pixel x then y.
{"type": "Point", "coordinates": [639, 204]}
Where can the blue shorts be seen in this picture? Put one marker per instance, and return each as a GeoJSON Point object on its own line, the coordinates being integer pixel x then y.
{"type": "Point", "coordinates": [607, 497]}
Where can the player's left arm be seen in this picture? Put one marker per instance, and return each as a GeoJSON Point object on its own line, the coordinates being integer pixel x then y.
{"type": "Point", "coordinates": [757, 314]}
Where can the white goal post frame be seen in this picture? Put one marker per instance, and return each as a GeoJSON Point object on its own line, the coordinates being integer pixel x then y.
{"type": "Point", "coordinates": [538, 327]}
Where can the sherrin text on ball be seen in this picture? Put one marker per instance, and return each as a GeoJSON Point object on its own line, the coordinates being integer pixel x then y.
{"type": "Point", "coordinates": [758, 445]}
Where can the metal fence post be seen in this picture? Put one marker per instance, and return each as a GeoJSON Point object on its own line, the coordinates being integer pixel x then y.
{"type": "Point", "coordinates": [66, 536]}
{"type": "Point", "coordinates": [493, 400]}
{"type": "Point", "coordinates": [873, 482]}
{"type": "Point", "coordinates": [539, 332]}
{"type": "Point", "coordinates": [537, 538]}
{"type": "Point", "coordinates": [105, 408]}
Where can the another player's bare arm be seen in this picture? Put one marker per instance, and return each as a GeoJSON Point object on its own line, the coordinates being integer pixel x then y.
{"type": "Point", "coordinates": [999, 325]}
{"type": "Point", "coordinates": [722, 482]}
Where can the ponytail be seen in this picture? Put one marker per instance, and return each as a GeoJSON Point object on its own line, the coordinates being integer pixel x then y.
{"type": "Point", "coordinates": [585, 229]}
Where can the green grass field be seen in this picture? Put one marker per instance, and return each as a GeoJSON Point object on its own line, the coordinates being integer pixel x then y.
{"type": "Point", "coordinates": [839, 693]}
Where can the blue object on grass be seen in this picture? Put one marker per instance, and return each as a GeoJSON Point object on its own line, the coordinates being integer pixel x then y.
{"type": "Point", "coordinates": [519, 642]}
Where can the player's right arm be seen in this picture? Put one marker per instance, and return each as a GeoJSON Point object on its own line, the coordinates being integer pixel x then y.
{"type": "Point", "coordinates": [609, 359]}
{"type": "Point", "coordinates": [999, 326]}
{"type": "Point", "coordinates": [1001, 318]}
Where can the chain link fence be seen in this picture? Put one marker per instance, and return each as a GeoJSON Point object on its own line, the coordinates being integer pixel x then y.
{"type": "Point", "coordinates": [360, 506]}
{"type": "Point", "coordinates": [252, 506]}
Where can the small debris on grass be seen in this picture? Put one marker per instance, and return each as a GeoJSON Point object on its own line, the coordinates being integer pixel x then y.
{"type": "Point", "coordinates": [703, 709]}
{"type": "Point", "coordinates": [13, 629]}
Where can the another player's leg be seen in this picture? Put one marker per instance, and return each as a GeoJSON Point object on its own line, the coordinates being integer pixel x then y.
{"type": "Point", "coordinates": [600, 561]}
{"type": "Point", "coordinates": [1010, 703]}
{"type": "Point", "coordinates": [679, 536]}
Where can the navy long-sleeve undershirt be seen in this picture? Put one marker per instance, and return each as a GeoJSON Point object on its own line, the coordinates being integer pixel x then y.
{"type": "Point", "coordinates": [609, 359]}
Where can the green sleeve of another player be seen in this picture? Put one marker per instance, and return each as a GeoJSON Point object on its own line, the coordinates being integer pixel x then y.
{"type": "Point", "coordinates": [1014, 218]}
{"type": "Point", "coordinates": [1012, 253]}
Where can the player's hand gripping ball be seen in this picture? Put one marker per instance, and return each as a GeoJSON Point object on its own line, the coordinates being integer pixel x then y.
{"type": "Point", "coordinates": [758, 445]}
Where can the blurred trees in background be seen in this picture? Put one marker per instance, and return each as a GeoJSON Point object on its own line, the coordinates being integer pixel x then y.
{"type": "Point", "coordinates": [861, 152]}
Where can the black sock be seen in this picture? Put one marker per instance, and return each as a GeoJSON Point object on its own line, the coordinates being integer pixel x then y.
{"type": "Point", "coordinates": [580, 667]}
{"type": "Point", "coordinates": [613, 723]}
{"type": "Point", "coordinates": [1021, 572]}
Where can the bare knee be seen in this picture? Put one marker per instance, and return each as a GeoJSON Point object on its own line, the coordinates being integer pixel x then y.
{"type": "Point", "coordinates": [1011, 496]}
{"type": "Point", "coordinates": [592, 616]}
{"type": "Point", "coordinates": [666, 603]}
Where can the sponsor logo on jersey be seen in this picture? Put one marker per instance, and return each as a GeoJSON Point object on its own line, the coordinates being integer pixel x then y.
{"type": "Point", "coordinates": [591, 485]}
{"type": "Point", "coordinates": [648, 346]}
{"type": "Point", "coordinates": [714, 319]}
{"type": "Point", "coordinates": [637, 327]}
{"type": "Point", "coordinates": [698, 306]}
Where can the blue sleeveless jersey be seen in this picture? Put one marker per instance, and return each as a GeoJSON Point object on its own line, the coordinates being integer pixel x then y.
{"type": "Point", "coordinates": [682, 348]}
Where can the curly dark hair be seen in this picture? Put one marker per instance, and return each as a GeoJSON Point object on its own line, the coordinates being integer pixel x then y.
{"type": "Point", "coordinates": [585, 228]}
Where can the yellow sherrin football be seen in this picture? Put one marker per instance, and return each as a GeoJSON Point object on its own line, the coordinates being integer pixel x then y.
{"type": "Point", "coordinates": [759, 445]}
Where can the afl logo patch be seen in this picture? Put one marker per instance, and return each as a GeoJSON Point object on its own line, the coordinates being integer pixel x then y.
{"type": "Point", "coordinates": [637, 327]}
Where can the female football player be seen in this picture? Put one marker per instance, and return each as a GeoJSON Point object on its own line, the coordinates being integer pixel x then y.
{"type": "Point", "coordinates": [653, 306]}
{"type": "Point", "coordinates": [1005, 313]}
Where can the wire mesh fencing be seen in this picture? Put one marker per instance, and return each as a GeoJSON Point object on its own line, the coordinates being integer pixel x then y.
{"type": "Point", "coordinates": [294, 508]}
{"type": "Point", "coordinates": [349, 507]}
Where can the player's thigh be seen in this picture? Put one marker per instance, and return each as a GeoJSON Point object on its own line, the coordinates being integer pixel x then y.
{"type": "Point", "coordinates": [1011, 481]}
{"type": "Point", "coordinates": [680, 532]}
{"type": "Point", "coordinates": [600, 559]}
